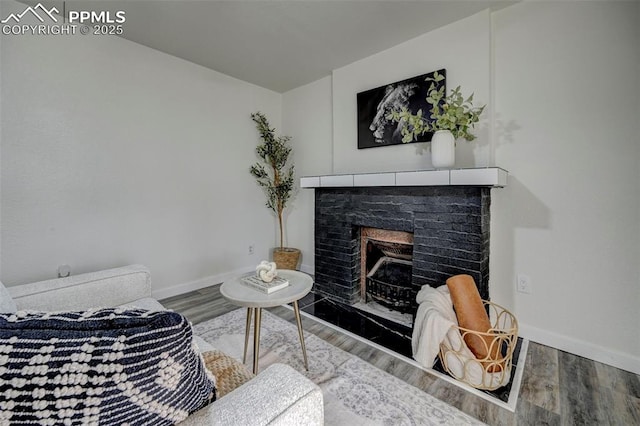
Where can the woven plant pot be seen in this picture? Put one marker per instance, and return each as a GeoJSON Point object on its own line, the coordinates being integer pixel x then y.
{"type": "Point", "coordinates": [286, 258]}
{"type": "Point", "coordinates": [490, 372]}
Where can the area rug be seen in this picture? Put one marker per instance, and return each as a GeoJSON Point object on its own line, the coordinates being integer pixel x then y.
{"type": "Point", "coordinates": [355, 392]}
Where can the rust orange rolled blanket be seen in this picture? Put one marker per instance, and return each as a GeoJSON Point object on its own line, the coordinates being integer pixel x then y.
{"type": "Point", "coordinates": [472, 316]}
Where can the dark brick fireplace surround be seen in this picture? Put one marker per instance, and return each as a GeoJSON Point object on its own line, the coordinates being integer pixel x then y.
{"type": "Point", "coordinates": [450, 226]}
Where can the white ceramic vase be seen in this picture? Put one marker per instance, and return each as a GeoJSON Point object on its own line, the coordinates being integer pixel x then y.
{"type": "Point", "coordinates": [443, 149]}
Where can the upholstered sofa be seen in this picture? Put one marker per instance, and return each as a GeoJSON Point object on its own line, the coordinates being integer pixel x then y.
{"type": "Point", "coordinates": [277, 396]}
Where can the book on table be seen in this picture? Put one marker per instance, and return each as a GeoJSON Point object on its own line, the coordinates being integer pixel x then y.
{"type": "Point", "coordinates": [278, 283]}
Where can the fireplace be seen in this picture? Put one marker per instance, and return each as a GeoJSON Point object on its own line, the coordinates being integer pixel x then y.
{"type": "Point", "coordinates": [428, 225]}
{"type": "Point", "coordinates": [431, 232]}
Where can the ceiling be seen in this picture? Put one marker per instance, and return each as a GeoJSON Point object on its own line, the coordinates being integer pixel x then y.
{"type": "Point", "coordinates": [278, 45]}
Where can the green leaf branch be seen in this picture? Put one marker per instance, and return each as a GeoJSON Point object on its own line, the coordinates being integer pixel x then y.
{"type": "Point", "coordinates": [451, 112]}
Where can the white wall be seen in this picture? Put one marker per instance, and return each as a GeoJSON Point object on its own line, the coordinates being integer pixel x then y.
{"type": "Point", "coordinates": [306, 117]}
{"type": "Point", "coordinates": [567, 85]}
{"type": "Point", "coordinates": [461, 48]}
{"type": "Point", "coordinates": [564, 80]}
{"type": "Point", "coordinates": [114, 153]}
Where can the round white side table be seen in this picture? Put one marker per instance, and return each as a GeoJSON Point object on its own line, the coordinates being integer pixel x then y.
{"type": "Point", "coordinates": [254, 300]}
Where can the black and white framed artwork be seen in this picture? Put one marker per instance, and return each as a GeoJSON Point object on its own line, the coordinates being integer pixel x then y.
{"type": "Point", "coordinates": [374, 129]}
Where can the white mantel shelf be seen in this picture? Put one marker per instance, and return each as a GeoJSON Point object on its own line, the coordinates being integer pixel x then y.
{"type": "Point", "coordinates": [486, 176]}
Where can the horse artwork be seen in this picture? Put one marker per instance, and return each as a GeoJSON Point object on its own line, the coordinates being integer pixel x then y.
{"type": "Point", "coordinates": [374, 105]}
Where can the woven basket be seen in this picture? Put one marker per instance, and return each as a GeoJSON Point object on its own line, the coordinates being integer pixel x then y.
{"type": "Point", "coordinates": [229, 372]}
{"type": "Point", "coordinates": [490, 372]}
{"type": "Point", "coordinates": [286, 258]}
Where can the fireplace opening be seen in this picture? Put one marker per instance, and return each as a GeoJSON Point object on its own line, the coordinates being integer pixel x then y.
{"type": "Point", "coordinates": [386, 266]}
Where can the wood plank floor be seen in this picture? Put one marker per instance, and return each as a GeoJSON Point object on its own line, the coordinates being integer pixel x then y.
{"type": "Point", "coordinates": [558, 388]}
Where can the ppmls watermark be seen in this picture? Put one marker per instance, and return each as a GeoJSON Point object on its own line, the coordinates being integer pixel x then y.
{"type": "Point", "coordinates": [72, 22]}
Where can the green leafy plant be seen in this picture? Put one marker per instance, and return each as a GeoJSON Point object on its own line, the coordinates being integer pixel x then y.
{"type": "Point", "coordinates": [452, 112]}
{"type": "Point", "coordinates": [272, 172]}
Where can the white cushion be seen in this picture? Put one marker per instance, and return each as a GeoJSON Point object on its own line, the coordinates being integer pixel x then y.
{"type": "Point", "coordinates": [7, 304]}
{"type": "Point", "coordinates": [110, 287]}
{"type": "Point", "coordinates": [147, 303]}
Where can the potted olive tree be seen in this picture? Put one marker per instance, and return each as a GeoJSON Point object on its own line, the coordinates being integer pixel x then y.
{"type": "Point", "coordinates": [276, 177]}
{"type": "Point", "coordinates": [451, 117]}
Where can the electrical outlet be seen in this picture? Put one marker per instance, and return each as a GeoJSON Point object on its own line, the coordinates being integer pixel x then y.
{"type": "Point", "coordinates": [523, 284]}
{"type": "Point", "coordinates": [64, 271]}
{"type": "Point", "coordinates": [251, 249]}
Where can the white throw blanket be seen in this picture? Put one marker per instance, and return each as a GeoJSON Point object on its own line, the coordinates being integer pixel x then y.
{"type": "Point", "coordinates": [434, 319]}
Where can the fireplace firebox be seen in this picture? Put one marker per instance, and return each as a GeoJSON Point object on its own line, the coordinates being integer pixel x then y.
{"type": "Point", "coordinates": [385, 268]}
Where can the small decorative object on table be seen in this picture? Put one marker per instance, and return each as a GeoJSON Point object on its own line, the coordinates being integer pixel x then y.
{"type": "Point", "coordinates": [266, 271]}
{"type": "Point", "coordinates": [266, 279]}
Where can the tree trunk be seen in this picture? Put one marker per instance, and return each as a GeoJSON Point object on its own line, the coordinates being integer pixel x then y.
{"type": "Point", "coordinates": [276, 183]}
{"type": "Point", "coordinates": [281, 229]}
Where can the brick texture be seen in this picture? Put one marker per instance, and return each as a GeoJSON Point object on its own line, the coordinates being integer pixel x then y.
{"type": "Point", "coordinates": [450, 226]}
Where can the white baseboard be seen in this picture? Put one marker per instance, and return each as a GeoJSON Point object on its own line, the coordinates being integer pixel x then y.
{"type": "Point", "coordinates": [307, 269]}
{"type": "Point", "coordinates": [175, 290]}
{"type": "Point", "coordinates": [588, 350]}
